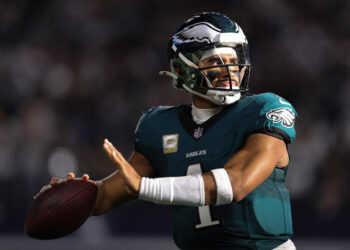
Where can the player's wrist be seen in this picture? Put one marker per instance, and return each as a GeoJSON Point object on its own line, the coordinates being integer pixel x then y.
{"type": "Point", "coordinates": [99, 199]}
{"type": "Point", "coordinates": [132, 183]}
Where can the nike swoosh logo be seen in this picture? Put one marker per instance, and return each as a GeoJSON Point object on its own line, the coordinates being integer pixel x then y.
{"type": "Point", "coordinates": [283, 102]}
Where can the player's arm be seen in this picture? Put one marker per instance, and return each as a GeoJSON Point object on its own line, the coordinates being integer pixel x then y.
{"type": "Point", "coordinates": [112, 191]}
{"type": "Point", "coordinates": [248, 168]}
{"type": "Point", "coordinates": [242, 173]}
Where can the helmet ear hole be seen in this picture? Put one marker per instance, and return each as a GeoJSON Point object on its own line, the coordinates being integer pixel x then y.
{"type": "Point", "coordinates": [178, 69]}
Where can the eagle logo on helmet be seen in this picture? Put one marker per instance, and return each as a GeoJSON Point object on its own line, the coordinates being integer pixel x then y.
{"type": "Point", "coordinates": [284, 115]}
{"type": "Point", "coordinates": [199, 32]}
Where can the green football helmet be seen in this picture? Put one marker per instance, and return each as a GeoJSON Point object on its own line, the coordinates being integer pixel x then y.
{"type": "Point", "coordinates": [204, 35]}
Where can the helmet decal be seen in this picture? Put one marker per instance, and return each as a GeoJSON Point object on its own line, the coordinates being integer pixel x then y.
{"type": "Point", "coordinates": [199, 32]}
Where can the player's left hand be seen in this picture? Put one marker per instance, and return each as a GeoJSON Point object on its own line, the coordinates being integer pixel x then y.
{"type": "Point", "coordinates": [130, 178]}
{"type": "Point", "coordinates": [56, 180]}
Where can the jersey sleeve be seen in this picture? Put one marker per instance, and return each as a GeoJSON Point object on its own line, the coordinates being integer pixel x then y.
{"type": "Point", "coordinates": [142, 129]}
{"type": "Point", "coordinates": [138, 135]}
{"type": "Point", "coordinates": [274, 116]}
{"type": "Point", "coordinates": [147, 141]}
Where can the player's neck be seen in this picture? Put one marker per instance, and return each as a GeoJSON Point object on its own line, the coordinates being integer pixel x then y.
{"type": "Point", "coordinates": [202, 103]}
{"type": "Point", "coordinates": [203, 110]}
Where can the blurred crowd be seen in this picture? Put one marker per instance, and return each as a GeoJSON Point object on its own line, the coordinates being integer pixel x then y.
{"type": "Point", "coordinates": [75, 72]}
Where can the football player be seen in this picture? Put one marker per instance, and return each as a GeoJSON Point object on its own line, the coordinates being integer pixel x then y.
{"type": "Point", "coordinates": [220, 163]}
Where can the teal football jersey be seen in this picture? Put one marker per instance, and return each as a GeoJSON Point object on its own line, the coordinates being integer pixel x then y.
{"type": "Point", "coordinates": [177, 146]}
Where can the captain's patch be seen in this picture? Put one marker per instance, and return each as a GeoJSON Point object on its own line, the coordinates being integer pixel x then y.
{"type": "Point", "coordinates": [284, 115]}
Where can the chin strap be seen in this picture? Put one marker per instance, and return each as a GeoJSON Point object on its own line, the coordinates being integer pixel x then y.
{"type": "Point", "coordinates": [220, 97]}
{"type": "Point", "coordinates": [215, 96]}
{"type": "Point", "coordinates": [197, 93]}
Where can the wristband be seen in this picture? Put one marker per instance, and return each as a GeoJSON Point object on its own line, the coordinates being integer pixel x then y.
{"type": "Point", "coordinates": [223, 186]}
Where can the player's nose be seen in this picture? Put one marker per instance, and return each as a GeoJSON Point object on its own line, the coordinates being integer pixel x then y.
{"type": "Point", "coordinates": [231, 72]}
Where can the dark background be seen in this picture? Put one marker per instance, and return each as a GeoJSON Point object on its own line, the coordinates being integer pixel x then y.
{"type": "Point", "coordinates": [75, 72]}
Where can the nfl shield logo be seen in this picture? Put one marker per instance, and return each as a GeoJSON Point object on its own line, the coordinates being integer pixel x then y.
{"type": "Point", "coordinates": [198, 132]}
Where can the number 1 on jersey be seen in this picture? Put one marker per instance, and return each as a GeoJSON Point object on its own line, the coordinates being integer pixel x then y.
{"type": "Point", "coordinates": [203, 212]}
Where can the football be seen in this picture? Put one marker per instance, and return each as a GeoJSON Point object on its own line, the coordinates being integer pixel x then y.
{"type": "Point", "coordinates": [61, 209]}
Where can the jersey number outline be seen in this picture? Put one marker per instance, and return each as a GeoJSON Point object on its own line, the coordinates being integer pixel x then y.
{"type": "Point", "coordinates": [205, 219]}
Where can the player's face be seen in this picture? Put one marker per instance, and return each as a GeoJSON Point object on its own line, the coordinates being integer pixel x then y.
{"type": "Point", "coordinates": [219, 75]}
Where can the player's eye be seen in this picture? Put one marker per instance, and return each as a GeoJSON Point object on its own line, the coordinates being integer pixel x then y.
{"type": "Point", "coordinates": [215, 61]}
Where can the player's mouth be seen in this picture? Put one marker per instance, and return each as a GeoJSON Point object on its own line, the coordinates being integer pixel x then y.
{"type": "Point", "coordinates": [225, 83]}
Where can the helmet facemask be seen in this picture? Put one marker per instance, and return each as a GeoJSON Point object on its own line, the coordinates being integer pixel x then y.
{"type": "Point", "coordinates": [223, 72]}
{"type": "Point", "coordinates": [218, 73]}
